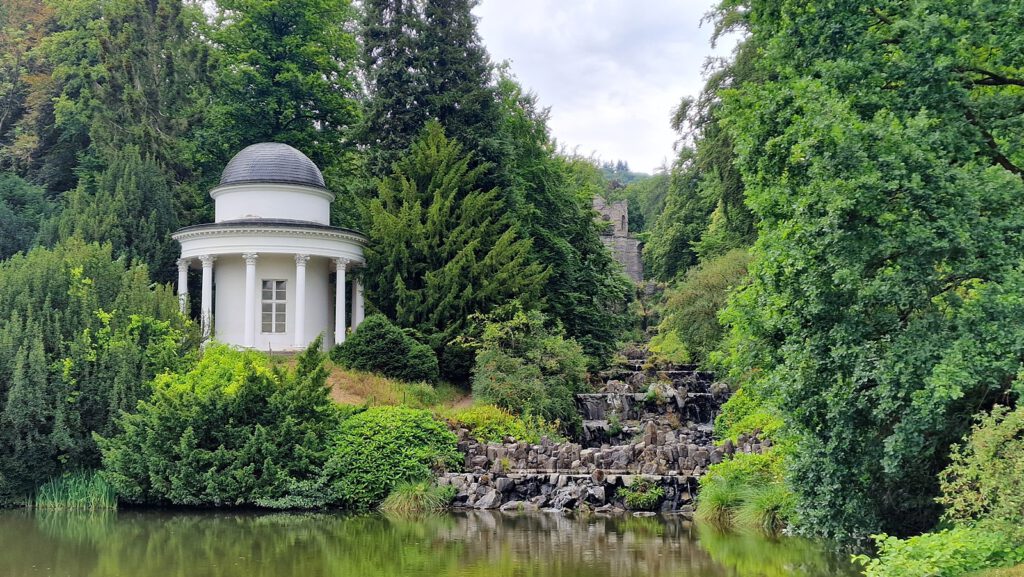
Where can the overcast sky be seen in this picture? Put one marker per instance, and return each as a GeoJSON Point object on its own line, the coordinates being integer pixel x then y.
{"type": "Point", "coordinates": [611, 70]}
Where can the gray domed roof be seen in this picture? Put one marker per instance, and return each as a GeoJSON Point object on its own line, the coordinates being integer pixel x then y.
{"type": "Point", "coordinates": [272, 162]}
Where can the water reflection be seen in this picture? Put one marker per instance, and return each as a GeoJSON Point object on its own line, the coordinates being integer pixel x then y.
{"type": "Point", "coordinates": [141, 544]}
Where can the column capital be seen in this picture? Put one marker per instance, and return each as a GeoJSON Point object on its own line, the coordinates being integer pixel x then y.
{"type": "Point", "coordinates": [342, 262]}
{"type": "Point", "coordinates": [183, 263]}
{"type": "Point", "coordinates": [207, 260]}
{"type": "Point", "coordinates": [301, 259]}
{"type": "Point", "coordinates": [250, 258]}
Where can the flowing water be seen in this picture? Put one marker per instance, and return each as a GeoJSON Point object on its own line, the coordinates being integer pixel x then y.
{"type": "Point", "coordinates": [477, 544]}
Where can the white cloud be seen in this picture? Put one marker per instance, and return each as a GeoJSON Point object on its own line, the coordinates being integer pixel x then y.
{"type": "Point", "coordinates": [611, 70]}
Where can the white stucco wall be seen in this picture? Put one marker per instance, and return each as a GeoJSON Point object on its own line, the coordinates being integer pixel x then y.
{"type": "Point", "coordinates": [272, 201]}
{"type": "Point", "coordinates": [229, 300]}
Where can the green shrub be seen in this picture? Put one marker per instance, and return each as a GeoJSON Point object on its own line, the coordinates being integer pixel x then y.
{"type": "Point", "coordinates": [383, 446]}
{"type": "Point", "coordinates": [491, 424]}
{"type": "Point", "coordinates": [76, 491]}
{"type": "Point", "coordinates": [417, 498]}
{"type": "Point", "coordinates": [747, 412]}
{"type": "Point", "coordinates": [691, 306]}
{"type": "Point", "coordinates": [947, 553]}
{"type": "Point", "coordinates": [231, 431]}
{"type": "Point", "coordinates": [747, 490]}
{"type": "Point", "coordinates": [643, 495]}
{"type": "Point", "coordinates": [379, 346]}
{"type": "Point", "coordinates": [527, 368]}
{"type": "Point", "coordinates": [667, 347]}
{"type": "Point", "coordinates": [718, 500]}
{"type": "Point", "coordinates": [767, 508]}
{"type": "Point", "coordinates": [985, 479]}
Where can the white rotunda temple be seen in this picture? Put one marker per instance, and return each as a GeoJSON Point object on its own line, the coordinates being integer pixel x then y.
{"type": "Point", "coordinates": [273, 269]}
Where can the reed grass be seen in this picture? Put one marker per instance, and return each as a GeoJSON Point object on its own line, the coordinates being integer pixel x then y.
{"type": "Point", "coordinates": [81, 491]}
{"type": "Point", "coordinates": [419, 497]}
{"type": "Point", "coordinates": [766, 508]}
{"type": "Point", "coordinates": [718, 501]}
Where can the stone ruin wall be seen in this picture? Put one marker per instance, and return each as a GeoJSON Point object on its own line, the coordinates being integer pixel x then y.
{"type": "Point", "coordinates": [624, 248]}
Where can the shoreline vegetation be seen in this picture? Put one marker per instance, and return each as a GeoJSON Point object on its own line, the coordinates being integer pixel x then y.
{"type": "Point", "coordinates": [838, 238]}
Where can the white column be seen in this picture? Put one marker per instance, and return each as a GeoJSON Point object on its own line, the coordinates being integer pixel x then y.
{"type": "Point", "coordinates": [183, 283]}
{"type": "Point", "coordinates": [360, 305]}
{"type": "Point", "coordinates": [250, 299]}
{"type": "Point", "coordinates": [339, 302]}
{"type": "Point", "coordinates": [355, 302]}
{"type": "Point", "coordinates": [300, 300]}
{"type": "Point", "coordinates": [206, 310]}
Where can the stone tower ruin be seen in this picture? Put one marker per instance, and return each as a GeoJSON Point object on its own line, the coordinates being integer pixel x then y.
{"type": "Point", "coordinates": [624, 248]}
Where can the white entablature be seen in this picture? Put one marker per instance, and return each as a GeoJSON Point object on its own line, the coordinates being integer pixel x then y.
{"type": "Point", "coordinates": [275, 275]}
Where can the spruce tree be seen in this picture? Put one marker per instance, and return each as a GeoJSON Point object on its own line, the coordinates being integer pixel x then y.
{"type": "Point", "coordinates": [130, 205]}
{"type": "Point", "coordinates": [423, 59]}
{"type": "Point", "coordinates": [443, 248]}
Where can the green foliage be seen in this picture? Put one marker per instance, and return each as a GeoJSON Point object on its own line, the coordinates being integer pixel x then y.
{"type": "Point", "coordinates": [881, 159]}
{"type": "Point", "coordinates": [551, 195]}
{"type": "Point", "coordinates": [747, 490]}
{"type": "Point", "coordinates": [491, 424]}
{"type": "Point", "coordinates": [747, 412]}
{"type": "Point", "coordinates": [230, 431]}
{"type": "Point", "coordinates": [417, 498]}
{"type": "Point", "coordinates": [947, 553]}
{"type": "Point", "coordinates": [984, 481]}
{"type": "Point", "coordinates": [768, 508]}
{"type": "Point", "coordinates": [425, 61]}
{"type": "Point", "coordinates": [22, 208]}
{"type": "Point", "coordinates": [691, 307]}
{"type": "Point", "coordinates": [285, 73]}
{"type": "Point", "coordinates": [643, 495]}
{"type": "Point", "coordinates": [667, 347]}
{"type": "Point", "coordinates": [130, 206]}
{"type": "Point", "coordinates": [77, 492]}
{"type": "Point", "coordinates": [124, 74]}
{"type": "Point", "coordinates": [81, 336]}
{"type": "Point", "coordinates": [378, 449]}
{"type": "Point", "coordinates": [380, 347]}
{"type": "Point", "coordinates": [718, 500]}
{"type": "Point", "coordinates": [527, 368]}
{"type": "Point", "coordinates": [443, 249]}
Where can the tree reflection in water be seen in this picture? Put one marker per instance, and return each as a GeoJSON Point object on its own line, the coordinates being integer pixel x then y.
{"type": "Point", "coordinates": [477, 544]}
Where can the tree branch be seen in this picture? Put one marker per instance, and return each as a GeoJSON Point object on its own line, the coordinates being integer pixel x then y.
{"type": "Point", "coordinates": [993, 147]}
{"type": "Point", "coordinates": [993, 79]}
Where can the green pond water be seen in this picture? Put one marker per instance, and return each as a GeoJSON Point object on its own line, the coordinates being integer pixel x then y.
{"type": "Point", "coordinates": [158, 544]}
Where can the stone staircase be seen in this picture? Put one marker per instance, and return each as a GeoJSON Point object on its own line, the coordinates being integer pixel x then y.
{"type": "Point", "coordinates": [651, 423]}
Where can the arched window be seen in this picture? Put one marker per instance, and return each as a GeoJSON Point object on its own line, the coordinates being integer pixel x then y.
{"type": "Point", "coordinates": [623, 227]}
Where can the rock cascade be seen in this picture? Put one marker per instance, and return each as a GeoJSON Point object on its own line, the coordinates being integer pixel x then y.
{"type": "Point", "coordinates": [644, 423]}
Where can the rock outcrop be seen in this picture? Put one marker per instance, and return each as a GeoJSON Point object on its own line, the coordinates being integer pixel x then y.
{"type": "Point", "coordinates": [644, 423]}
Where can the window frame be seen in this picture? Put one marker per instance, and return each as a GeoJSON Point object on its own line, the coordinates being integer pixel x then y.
{"type": "Point", "coordinates": [278, 306]}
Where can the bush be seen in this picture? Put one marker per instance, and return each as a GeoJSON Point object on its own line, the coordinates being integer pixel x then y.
{"type": "Point", "coordinates": [947, 553]}
{"type": "Point", "coordinates": [527, 368]}
{"type": "Point", "coordinates": [417, 498]}
{"type": "Point", "coordinates": [747, 412]}
{"type": "Point", "coordinates": [379, 346]}
{"type": "Point", "coordinates": [748, 490]}
{"type": "Point", "coordinates": [985, 479]}
{"type": "Point", "coordinates": [384, 446]}
{"type": "Point", "coordinates": [718, 500]}
{"type": "Point", "coordinates": [644, 495]}
{"type": "Point", "coordinates": [491, 424]}
{"type": "Point", "coordinates": [232, 431]}
{"type": "Point", "coordinates": [691, 306]}
{"type": "Point", "coordinates": [767, 508]}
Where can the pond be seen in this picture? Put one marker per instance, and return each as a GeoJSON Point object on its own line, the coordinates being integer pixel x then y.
{"type": "Point", "coordinates": [158, 544]}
